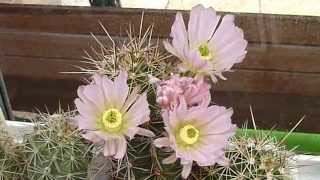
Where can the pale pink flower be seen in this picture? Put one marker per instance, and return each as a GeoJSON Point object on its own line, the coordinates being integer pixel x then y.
{"type": "Point", "coordinates": [109, 113]}
{"type": "Point", "coordinates": [197, 134]}
{"type": "Point", "coordinates": [194, 91]}
{"type": "Point", "coordinates": [207, 48]}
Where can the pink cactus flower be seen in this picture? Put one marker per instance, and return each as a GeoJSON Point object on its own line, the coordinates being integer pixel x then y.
{"type": "Point", "coordinates": [208, 47]}
{"type": "Point", "coordinates": [194, 91]}
{"type": "Point", "coordinates": [197, 135]}
{"type": "Point", "coordinates": [108, 113]}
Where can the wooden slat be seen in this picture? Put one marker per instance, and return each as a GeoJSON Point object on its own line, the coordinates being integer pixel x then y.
{"type": "Point", "coordinates": [50, 45]}
{"type": "Point", "coordinates": [71, 47]}
{"type": "Point", "coordinates": [39, 68]}
{"type": "Point", "coordinates": [278, 29]}
{"type": "Point", "coordinates": [271, 82]}
{"type": "Point", "coordinates": [272, 110]}
{"type": "Point", "coordinates": [241, 80]}
{"type": "Point", "coordinates": [269, 109]}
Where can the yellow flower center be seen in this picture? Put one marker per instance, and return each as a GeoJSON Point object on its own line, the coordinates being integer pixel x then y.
{"type": "Point", "coordinates": [189, 134]}
{"type": "Point", "coordinates": [205, 52]}
{"type": "Point", "coordinates": [112, 119]}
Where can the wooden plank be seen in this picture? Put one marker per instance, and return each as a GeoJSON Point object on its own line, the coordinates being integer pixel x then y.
{"type": "Point", "coordinates": [71, 47]}
{"type": "Point", "coordinates": [32, 95]}
{"type": "Point", "coordinates": [277, 29]}
{"type": "Point", "coordinates": [272, 110]}
{"type": "Point", "coordinates": [243, 80]}
{"type": "Point", "coordinates": [39, 68]}
{"type": "Point", "coordinates": [50, 45]}
{"type": "Point", "coordinates": [269, 109]}
{"type": "Point", "coordinates": [271, 82]}
{"type": "Point", "coordinates": [282, 58]}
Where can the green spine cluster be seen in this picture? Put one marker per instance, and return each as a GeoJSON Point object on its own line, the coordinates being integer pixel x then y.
{"type": "Point", "coordinates": [11, 159]}
{"type": "Point", "coordinates": [56, 150]}
{"type": "Point", "coordinates": [250, 158]}
{"type": "Point", "coordinates": [258, 157]}
{"type": "Point", "coordinates": [139, 56]}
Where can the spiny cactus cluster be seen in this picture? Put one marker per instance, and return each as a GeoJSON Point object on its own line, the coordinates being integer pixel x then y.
{"type": "Point", "coordinates": [251, 158]}
{"type": "Point", "coordinates": [259, 157]}
{"type": "Point", "coordinates": [56, 150]}
{"type": "Point", "coordinates": [140, 56]}
{"type": "Point", "coordinates": [144, 161]}
{"type": "Point", "coordinates": [11, 159]}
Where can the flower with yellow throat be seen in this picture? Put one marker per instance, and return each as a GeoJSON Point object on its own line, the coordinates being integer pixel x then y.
{"type": "Point", "coordinates": [210, 46]}
{"type": "Point", "coordinates": [109, 113]}
{"type": "Point", "coordinates": [197, 134]}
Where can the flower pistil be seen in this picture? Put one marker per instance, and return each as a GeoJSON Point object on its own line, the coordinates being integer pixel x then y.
{"type": "Point", "coordinates": [112, 120]}
{"type": "Point", "coordinates": [189, 134]}
{"type": "Point", "coordinates": [205, 52]}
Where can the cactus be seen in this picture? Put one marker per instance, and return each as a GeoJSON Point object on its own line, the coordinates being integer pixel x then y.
{"type": "Point", "coordinates": [11, 159]}
{"type": "Point", "coordinates": [250, 157]}
{"type": "Point", "coordinates": [259, 157]}
{"type": "Point", "coordinates": [140, 56]}
{"type": "Point", "coordinates": [56, 150]}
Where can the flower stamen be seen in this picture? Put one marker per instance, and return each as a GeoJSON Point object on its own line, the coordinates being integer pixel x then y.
{"type": "Point", "coordinates": [205, 52]}
{"type": "Point", "coordinates": [112, 119]}
{"type": "Point", "coordinates": [189, 134]}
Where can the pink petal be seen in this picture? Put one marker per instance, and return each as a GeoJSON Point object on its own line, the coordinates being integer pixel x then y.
{"type": "Point", "coordinates": [199, 115]}
{"type": "Point", "coordinates": [145, 132]}
{"type": "Point", "coordinates": [121, 87]}
{"type": "Point", "coordinates": [108, 90]}
{"type": "Point", "coordinates": [231, 54]}
{"type": "Point", "coordinates": [209, 21]}
{"type": "Point", "coordinates": [207, 162]}
{"type": "Point", "coordinates": [86, 110]}
{"type": "Point", "coordinates": [209, 114]}
{"type": "Point", "coordinates": [186, 170]}
{"type": "Point", "coordinates": [197, 155]}
{"type": "Point", "coordinates": [85, 123]}
{"type": "Point", "coordinates": [217, 142]}
{"type": "Point", "coordinates": [91, 136]}
{"type": "Point", "coordinates": [193, 25]}
{"type": "Point", "coordinates": [162, 142]}
{"type": "Point", "coordinates": [95, 94]}
{"type": "Point", "coordinates": [202, 24]}
{"type": "Point", "coordinates": [173, 120]}
{"type": "Point", "coordinates": [179, 35]}
{"type": "Point", "coordinates": [182, 108]}
{"type": "Point", "coordinates": [213, 77]}
{"type": "Point", "coordinates": [139, 111]}
{"type": "Point", "coordinates": [121, 148]}
{"type": "Point", "coordinates": [169, 160]}
{"type": "Point", "coordinates": [131, 131]}
{"type": "Point", "coordinates": [205, 100]}
{"type": "Point", "coordinates": [229, 44]}
{"type": "Point", "coordinates": [224, 32]}
{"type": "Point", "coordinates": [131, 99]}
{"type": "Point", "coordinates": [223, 161]}
{"type": "Point", "coordinates": [196, 62]}
{"type": "Point", "coordinates": [109, 147]}
{"type": "Point", "coordinates": [220, 123]}
{"type": "Point", "coordinates": [170, 48]}
{"type": "Point", "coordinates": [84, 98]}
{"type": "Point", "coordinates": [97, 79]}
{"type": "Point", "coordinates": [106, 136]}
